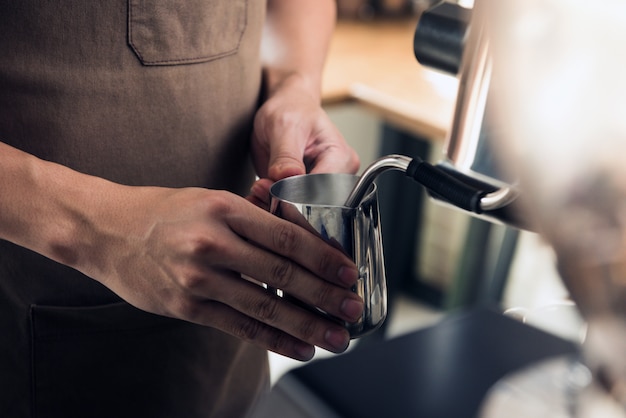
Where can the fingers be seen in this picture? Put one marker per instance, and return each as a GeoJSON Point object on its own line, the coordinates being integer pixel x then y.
{"type": "Point", "coordinates": [229, 320]}
{"type": "Point", "coordinates": [274, 251]}
{"type": "Point", "coordinates": [207, 286]}
{"type": "Point", "coordinates": [282, 273]}
{"type": "Point", "coordinates": [335, 159]}
{"type": "Point", "coordinates": [278, 138]}
{"type": "Point", "coordinates": [260, 193]}
{"type": "Point", "coordinates": [214, 295]}
{"type": "Point", "coordinates": [287, 257]}
{"type": "Point", "coordinates": [285, 160]}
{"type": "Point", "coordinates": [290, 242]}
{"type": "Point", "coordinates": [277, 324]}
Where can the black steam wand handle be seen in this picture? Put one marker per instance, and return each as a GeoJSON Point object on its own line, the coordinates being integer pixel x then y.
{"type": "Point", "coordinates": [438, 182]}
{"type": "Point", "coordinates": [445, 186]}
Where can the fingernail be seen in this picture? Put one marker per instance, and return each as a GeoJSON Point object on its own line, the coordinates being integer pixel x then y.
{"type": "Point", "coordinates": [305, 351]}
{"type": "Point", "coordinates": [348, 275]}
{"type": "Point", "coordinates": [337, 339]}
{"type": "Point", "coordinates": [353, 309]}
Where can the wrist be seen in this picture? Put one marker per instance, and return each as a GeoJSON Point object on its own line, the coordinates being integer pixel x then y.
{"type": "Point", "coordinates": [72, 206]}
{"type": "Point", "coordinates": [277, 80]}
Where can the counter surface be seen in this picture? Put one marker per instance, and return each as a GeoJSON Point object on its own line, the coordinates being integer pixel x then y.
{"type": "Point", "coordinates": [442, 371]}
{"type": "Point", "coordinates": [373, 63]}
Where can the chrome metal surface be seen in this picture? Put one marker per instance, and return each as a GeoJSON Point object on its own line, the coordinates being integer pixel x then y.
{"type": "Point", "coordinates": [469, 146]}
{"type": "Point", "coordinates": [498, 199]}
{"type": "Point", "coordinates": [389, 162]}
{"type": "Point", "coordinates": [316, 202]}
{"type": "Point", "coordinates": [495, 200]}
{"type": "Point", "coordinates": [474, 79]}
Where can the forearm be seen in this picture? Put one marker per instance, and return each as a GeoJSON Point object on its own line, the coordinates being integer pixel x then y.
{"type": "Point", "coordinates": [30, 213]}
{"type": "Point", "coordinates": [295, 42]}
{"type": "Point", "coordinates": [53, 210]}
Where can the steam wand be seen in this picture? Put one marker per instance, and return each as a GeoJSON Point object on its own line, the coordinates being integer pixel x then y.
{"type": "Point", "coordinates": [440, 183]}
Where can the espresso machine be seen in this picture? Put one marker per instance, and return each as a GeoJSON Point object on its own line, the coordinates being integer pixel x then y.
{"type": "Point", "coordinates": [447, 39]}
{"type": "Point", "coordinates": [540, 122]}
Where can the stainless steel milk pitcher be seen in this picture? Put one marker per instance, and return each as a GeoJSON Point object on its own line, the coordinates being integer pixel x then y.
{"type": "Point", "coordinates": [317, 202]}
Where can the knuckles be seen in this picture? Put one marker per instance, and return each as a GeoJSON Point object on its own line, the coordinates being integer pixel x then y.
{"type": "Point", "coordinates": [307, 329]}
{"type": "Point", "coordinates": [282, 274]}
{"type": "Point", "coordinates": [267, 309]}
{"type": "Point", "coordinates": [324, 264]}
{"type": "Point", "coordinates": [285, 238]}
{"type": "Point", "coordinates": [188, 309]}
{"type": "Point", "coordinates": [324, 295]}
{"type": "Point", "coordinates": [191, 282]}
{"type": "Point", "coordinates": [278, 118]}
{"type": "Point", "coordinates": [248, 330]}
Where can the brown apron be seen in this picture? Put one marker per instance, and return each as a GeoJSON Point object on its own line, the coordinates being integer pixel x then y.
{"type": "Point", "coordinates": [141, 92]}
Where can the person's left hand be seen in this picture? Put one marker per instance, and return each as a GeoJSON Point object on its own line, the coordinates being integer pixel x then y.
{"type": "Point", "coordinates": [293, 135]}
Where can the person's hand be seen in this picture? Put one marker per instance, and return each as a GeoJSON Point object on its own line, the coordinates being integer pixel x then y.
{"type": "Point", "coordinates": [182, 253]}
{"type": "Point", "coordinates": [293, 135]}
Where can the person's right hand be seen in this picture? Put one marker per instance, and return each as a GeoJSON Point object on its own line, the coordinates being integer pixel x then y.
{"type": "Point", "coordinates": [182, 253]}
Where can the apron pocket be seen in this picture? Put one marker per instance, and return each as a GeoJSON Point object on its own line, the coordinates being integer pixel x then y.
{"type": "Point", "coordinates": [116, 361]}
{"type": "Point", "coordinates": [170, 32]}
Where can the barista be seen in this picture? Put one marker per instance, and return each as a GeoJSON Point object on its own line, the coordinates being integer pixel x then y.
{"type": "Point", "coordinates": [126, 131]}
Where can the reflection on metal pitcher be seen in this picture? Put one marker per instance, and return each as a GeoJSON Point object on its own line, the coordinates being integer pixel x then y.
{"type": "Point", "coordinates": [316, 202]}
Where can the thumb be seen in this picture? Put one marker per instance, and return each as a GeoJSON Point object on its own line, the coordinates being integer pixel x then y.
{"type": "Point", "coordinates": [286, 159]}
